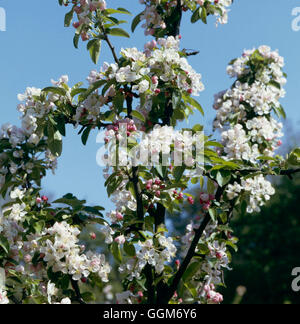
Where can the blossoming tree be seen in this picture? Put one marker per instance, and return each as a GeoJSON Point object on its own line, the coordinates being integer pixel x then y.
{"type": "Point", "coordinates": [138, 100]}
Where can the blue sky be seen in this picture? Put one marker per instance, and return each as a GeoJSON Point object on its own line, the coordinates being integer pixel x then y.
{"type": "Point", "coordinates": [36, 48]}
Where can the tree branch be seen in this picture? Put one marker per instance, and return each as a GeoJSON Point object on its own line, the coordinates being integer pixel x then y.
{"type": "Point", "coordinates": [15, 300]}
{"type": "Point", "coordinates": [76, 289]}
{"type": "Point", "coordinates": [112, 48]}
{"type": "Point", "coordinates": [288, 172]}
{"type": "Point", "coordinates": [166, 294]}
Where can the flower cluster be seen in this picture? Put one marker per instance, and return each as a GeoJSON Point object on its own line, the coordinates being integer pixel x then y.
{"type": "Point", "coordinates": [155, 252]}
{"type": "Point", "coordinates": [258, 191]}
{"type": "Point", "coordinates": [257, 90]}
{"type": "Point", "coordinates": [120, 130]}
{"type": "Point", "coordinates": [237, 145]}
{"type": "Point", "coordinates": [3, 297]}
{"type": "Point", "coordinates": [65, 255]}
{"type": "Point", "coordinates": [157, 13]}
{"type": "Point", "coordinates": [84, 10]}
{"type": "Point", "coordinates": [206, 200]}
{"type": "Point", "coordinates": [35, 109]}
{"type": "Point", "coordinates": [211, 295]}
{"type": "Point", "coordinates": [218, 8]}
{"type": "Point", "coordinates": [245, 112]}
{"type": "Point", "coordinates": [52, 292]}
{"type": "Point", "coordinates": [214, 262]}
{"type": "Point", "coordinates": [159, 70]}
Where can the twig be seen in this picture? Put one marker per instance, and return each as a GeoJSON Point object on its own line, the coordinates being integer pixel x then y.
{"type": "Point", "coordinates": [15, 300]}
{"type": "Point", "coordinates": [166, 294]}
{"type": "Point", "coordinates": [112, 48]}
{"type": "Point", "coordinates": [76, 289]}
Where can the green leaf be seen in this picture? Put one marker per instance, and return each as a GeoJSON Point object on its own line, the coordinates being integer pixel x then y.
{"type": "Point", "coordinates": [191, 271]}
{"type": "Point", "coordinates": [275, 84]}
{"type": "Point", "coordinates": [39, 226]}
{"type": "Point", "coordinates": [211, 186]}
{"type": "Point", "coordinates": [61, 125]}
{"type": "Point", "coordinates": [124, 11]}
{"type": "Point", "coordinates": [68, 18]}
{"type": "Point", "coordinates": [117, 11]}
{"type": "Point", "coordinates": [223, 178]}
{"type": "Point", "coordinates": [54, 141]}
{"type": "Point", "coordinates": [213, 214]}
{"type": "Point", "coordinates": [88, 297]}
{"type": "Point", "coordinates": [58, 91]}
{"type": "Point", "coordinates": [178, 172]}
{"type": "Point", "coordinates": [192, 290]}
{"type": "Point", "coordinates": [214, 144]}
{"type": "Point", "coordinates": [204, 15]}
{"type": "Point", "coordinates": [193, 103]}
{"type": "Point", "coordinates": [118, 32]}
{"type": "Point", "coordinates": [70, 200]}
{"type": "Point", "coordinates": [76, 40]}
{"type": "Point", "coordinates": [85, 135]}
{"type": "Point", "coordinates": [136, 21]}
{"type": "Point", "coordinates": [94, 47]}
{"type": "Point", "coordinates": [196, 16]}
{"type": "Point", "coordinates": [294, 157]}
{"type": "Point", "coordinates": [129, 249]}
{"type": "Point", "coordinates": [93, 88]}
{"type": "Point", "coordinates": [116, 251]}
{"type": "Point", "coordinates": [139, 116]}
{"type": "Point", "coordinates": [75, 92]}
{"type": "Point", "coordinates": [4, 244]}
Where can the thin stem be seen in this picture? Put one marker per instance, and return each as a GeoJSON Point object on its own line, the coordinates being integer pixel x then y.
{"type": "Point", "coordinates": [138, 193]}
{"type": "Point", "coordinates": [15, 300]}
{"type": "Point", "coordinates": [76, 289]}
{"type": "Point", "coordinates": [112, 48]}
{"type": "Point", "coordinates": [149, 284]}
{"type": "Point", "coordinates": [166, 294]}
{"type": "Point", "coordinates": [110, 45]}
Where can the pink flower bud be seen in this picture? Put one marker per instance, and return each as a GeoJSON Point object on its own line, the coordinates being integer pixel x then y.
{"type": "Point", "coordinates": [206, 206]}
{"type": "Point", "coordinates": [219, 255]}
{"type": "Point", "coordinates": [154, 79]}
{"type": "Point", "coordinates": [157, 182]}
{"type": "Point", "coordinates": [180, 196]}
{"type": "Point", "coordinates": [120, 239]}
{"type": "Point", "coordinates": [93, 236]}
{"type": "Point", "coordinates": [85, 36]}
{"type": "Point", "coordinates": [76, 24]}
{"type": "Point", "coordinates": [119, 216]}
{"type": "Point", "coordinates": [191, 201]}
